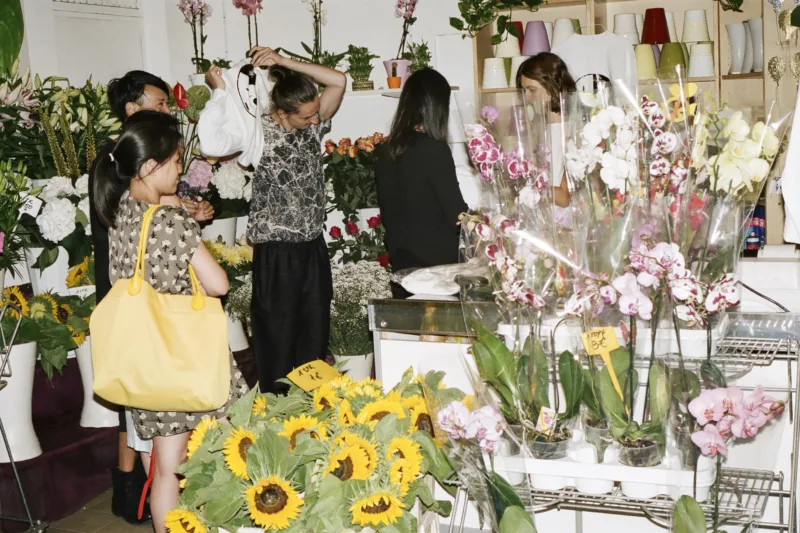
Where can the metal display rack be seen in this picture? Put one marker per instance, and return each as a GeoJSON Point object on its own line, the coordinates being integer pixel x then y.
{"type": "Point", "coordinates": [6, 345]}
{"type": "Point", "coordinates": [752, 340]}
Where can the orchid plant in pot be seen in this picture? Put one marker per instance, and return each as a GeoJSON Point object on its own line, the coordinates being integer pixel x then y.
{"type": "Point", "coordinates": [250, 9]}
{"type": "Point", "coordinates": [196, 14]}
{"type": "Point", "coordinates": [400, 67]}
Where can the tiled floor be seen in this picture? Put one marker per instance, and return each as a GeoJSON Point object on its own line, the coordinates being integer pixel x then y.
{"type": "Point", "coordinates": [97, 517]}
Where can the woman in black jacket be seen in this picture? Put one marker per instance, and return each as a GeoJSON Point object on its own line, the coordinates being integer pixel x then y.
{"type": "Point", "coordinates": [418, 191]}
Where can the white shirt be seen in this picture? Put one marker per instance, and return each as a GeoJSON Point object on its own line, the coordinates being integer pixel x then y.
{"type": "Point", "coordinates": [605, 55]}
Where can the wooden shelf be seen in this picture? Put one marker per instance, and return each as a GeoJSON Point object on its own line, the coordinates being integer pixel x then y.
{"type": "Point", "coordinates": [707, 79]}
{"type": "Point", "coordinates": [548, 3]}
{"type": "Point", "coordinates": [390, 93]}
{"type": "Point", "coordinates": [747, 76]}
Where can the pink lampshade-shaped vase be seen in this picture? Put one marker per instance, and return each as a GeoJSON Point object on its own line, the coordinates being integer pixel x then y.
{"type": "Point", "coordinates": [535, 39]}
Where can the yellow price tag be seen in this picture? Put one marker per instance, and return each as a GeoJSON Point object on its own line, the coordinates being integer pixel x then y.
{"type": "Point", "coordinates": [313, 375]}
{"type": "Point", "coordinates": [603, 341]}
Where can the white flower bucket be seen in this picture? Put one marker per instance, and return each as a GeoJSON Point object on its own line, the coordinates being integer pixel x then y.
{"type": "Point", "coordinates": [2, 279]}
{"type": "Point", "coordinates": [237, 338]}
{"type": "Point", "coordinates": [241, 227]}
{"type": "Point", "coordinates": [15, 404]}
{"type": "Point", "coordinates": [197, 79]}
{"type": "Point", "coordinates": [96, 412]}
{"type": "Point", "coordinates": [52, 278]}
{"type": "Point", "coordinates": [356, 366]}
{"type": "Point", "coordinates": [364, 215]}
{"type": "Point", "coordinates": [225, 228]}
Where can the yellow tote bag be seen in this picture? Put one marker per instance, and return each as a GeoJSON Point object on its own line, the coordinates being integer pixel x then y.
{"type": "Point", "coordinates": [160, 352]}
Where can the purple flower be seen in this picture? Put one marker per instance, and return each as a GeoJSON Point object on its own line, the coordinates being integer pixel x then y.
{"type": "Point", "coordinates": [645, 230]}
{"type": "Point", "coordinates": [453, 420]}
{"type": "Point", "coordinates": [683, 286]}
{"type": "Point", "coordinates": [200, 174]}
{"type": "Point", "coordinates": [709, 406]}
{"type": "Point", "coordinates": [2, 242]}
{"type": "Point", "coordinates": [490, 114]}
{"type": "Point", "coordinates": [485, 425]}
{"type": "Point", "coordinates": [710, 441]}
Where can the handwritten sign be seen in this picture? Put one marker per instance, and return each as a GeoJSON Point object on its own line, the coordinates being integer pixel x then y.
{"type": "Point", "coordinates": [82, 292]}
{"type": "Point", "coordinates": [603, 341]}
{"type": "Point", "coordinates": [547, 420]}
{"type": "Point", "coordinates": [313, 375]}
{"type": "Point", "coordinates": [31, 206]}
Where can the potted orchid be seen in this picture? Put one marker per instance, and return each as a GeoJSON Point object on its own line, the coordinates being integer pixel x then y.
{"type": "Point", "coordinates": [250, 9]}
{"type": "Point", "coordinates": [399, 67]}
{"type": "Point", "coordinates": [196, 14]}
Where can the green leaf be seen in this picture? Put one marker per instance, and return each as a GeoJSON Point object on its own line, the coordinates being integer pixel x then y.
{"type": "Point", "coordinates": [796, 17]}
{"type": "Point", "coordinates": [308, 450]}
{"type": "Point", "coordinates": [571, 376]}
{"type": "Point", "coordinates": [241, 411]}
{"type": "Point", "coordinates": [613, 406]}
{"type": "Point", "coordinates": [307, 48]}
{"type": "Point", "coordinates": [512, 29]}
{"type": "Point", "coordinates": [267, 455]}
{"type": "Point", "coordinates": [457, 23]}
{"type": "Point", "coordinates": [438, 465]}
{"type": "Point", "coordinates": [503, 493]}
{"type": "Point", "coordinates": [516, 520]}
{"type": "Point", "coordinates": [227, 502]}
{"type": "Point", "coordinates": [589, 396]}
{"type": "Point", "coordinates": [46, 258]}
{"type": "Point", "coordinates": [712, 375]}
{"type": "Point", "coordinates": [498, 362]}
{"type": "Point", "coordinates": [497, 39]}
{"type": "Point", "coordinates": [688, 517]}
{"type": "Point", "coordinates": [659, 393]}
{"type": "Point", "coordinates": [683, 381]}
{"type": "Point", "coordinates": [12, 29]}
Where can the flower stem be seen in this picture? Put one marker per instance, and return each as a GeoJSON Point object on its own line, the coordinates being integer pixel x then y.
{"type": "Point", "coordinates": [631, 356]}
{"type": "Point", "coordinates": [716, 492]}
{"type": "Point", "coordinates": [249, 34]}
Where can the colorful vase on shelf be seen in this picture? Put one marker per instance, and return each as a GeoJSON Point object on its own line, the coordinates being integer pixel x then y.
{"type": "Point", "coordinates": [625, 26]}
{"type": "Point", "coordinates": [495, 75]}
{"type": "Point", "coordinates": [695, 26]}
{"type": "Point", "coordinates": [645, 61]}
{"type": "Point", "coordinates": [671, 59]}
{"type": "Point", "coordinates": [535, 39]}
{"type": "Point", "coordinates": [656, 30]}
{"type": "Point", "coordinates": [757, 34]}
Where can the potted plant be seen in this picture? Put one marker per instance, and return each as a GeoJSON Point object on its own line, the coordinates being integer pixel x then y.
{"type": "Point", "coordinates": [359, 66]}
{"type": "Point", "coordinates": [354, 284]}
{"type": "Point", "coordinates": [196, 14]}
{"type": "Point", "coordinates": [399, 67]}
{"type": "Point", "coordinates": [420, 56]}
{"type": "Point", "coordinates": [250, 9]}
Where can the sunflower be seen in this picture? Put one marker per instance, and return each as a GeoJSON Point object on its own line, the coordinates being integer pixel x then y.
{"type": "Point", "coordinates": [273, 503]}
{"type": "Point", "coordinates": [63, 312]}
{"type": "Point", "coordinates": [351, 439]}
{"type": "Point", "coordinates": [199, 433]}
{"type": "Point", "coordinates": [184, 521]}
{"type": "Point", "coordinates": [260, 406]}
{"type": "Point", "coordinates": [341, 384]}
{"type": "Point", "coordinates": [43, 305]}
{"type": "Point", "coordinates": [402, 473]}
{"type": "Point", "coordinates": [77, 273]}
{"type": "Point", "coordinates": [404, 448]}
{"type": "Point", "coordinates": [351, 462]}
{"type": "Point", "coordinates": [364, 388]}
{"type": "Point", "coordinates": [298, 424]}
{"type": "Point", "coordinates": [376, 509]}
{"type": "Point", "coordinates": [345, 417]}
{"type": "Point", "coordinates": [325, 398]}
{"type": "Point", "coordinates": [421, 420]}
{"type": "Point", "coordinates": [374, 412]}
{"type": "Point", "coordinates": [412, 402]}
{"type": "Point", "coordinates": [14, 296]}
{"type": "Point", "coordinates": [235, 450]}
{"type": "Point", "coordinates": [78, 338]}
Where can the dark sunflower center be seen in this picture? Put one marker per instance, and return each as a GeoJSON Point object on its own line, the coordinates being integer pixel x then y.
{"type": "Point", "coordinates": [63, 315]}
{"type": "Point", "coordinates": [293, 439]}
{"type": "Point", "coordinates": [324, 403]}
{"type": "Point", "coordinates": [189, 528]}
{"type": "Point", "coordinates": [380, 507]}
{"type": "Point", "coordinates": [424, 423]}
{"type": "Point", "coordinates": [272, 500]}
{"type": "Point", "coordinates": [244, 445]}
{"type": "Point", "coordinates": [345, 469]}
{"type": "Point", "coordinates": [379, 416]}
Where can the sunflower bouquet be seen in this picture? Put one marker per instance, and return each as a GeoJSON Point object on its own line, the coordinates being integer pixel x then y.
{"type": "Point", "coordinates": [82, 274]}
{"type": "Point", "coordinates": [56, 324]}
{"type": "Point", "coordinates": [344, 457]}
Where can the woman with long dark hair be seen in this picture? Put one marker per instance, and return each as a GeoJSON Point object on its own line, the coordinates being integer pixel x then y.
{"type": "Point", "coordinates": [418, 190]}
{"type": "Point", "coordinates": [546, 75]}
{"type": "Point", "coordinates": [141, 170]}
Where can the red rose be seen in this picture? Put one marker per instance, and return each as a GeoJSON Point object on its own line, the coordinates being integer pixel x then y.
{"type": "Point", "coordinates": [329, 146]}
{"type": "Point", "coordinates": [383, 259]}
{"type": "Point", "coordinates": [180, 96]}
{"type": "Point", "coordinates": [352, 228]}
{"type": "Point", "coordinates": [374, 222]}
{"type": "Point", "coordinates": [335, 232]}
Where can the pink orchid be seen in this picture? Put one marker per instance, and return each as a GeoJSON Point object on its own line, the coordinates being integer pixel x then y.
{"type": "Point", "coordinates": [490, 114]}
{"type": "Point", "coordinates": [733, 399]}
{"type": "Point", "coordinates": [665, 143]}
{"type": "Point", "coordinates": [454, 419]}
{"type": "Point", "coordinates": [632, 302]}
{"type": "Point", "coordinates": [668, 255]}
{"type": "Point", "coordinates": [608, 294]}
{"type": "Point", "coordinates": [678, 177]}
{"type": "Point", "coordinates": [710, 441]}
{"type": "Point", "coordinates": [2, 242]}
{"type": "Point", "coordinates": [683, 286]}
{"type": "Point", "coordinates": [485, 425]}
{"type": "Point", "coordinates": [757, 402]}
{"type": "Point", "coordinates": [709, 406]}
{"type": "Point", "coordinates": [659, 167]}
{"type": "Point", "coordinates": [484, 232]}
{"type": "Point", "coordinates": [248, 7]}
{"type": "Point", "coordinates": [689, 314]}
{"type": "Point", "coordinates": [723, 294]}
{"type": "Point", "coordinates": [529, 196]}
{"type": "Point", "coordinates": [725, 426]}
{"type": "Point", "coordinates": [747, 427]}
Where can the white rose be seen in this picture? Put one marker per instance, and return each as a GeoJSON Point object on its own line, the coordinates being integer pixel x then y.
{"type": "Point", "coordinates": [57, 220]}
{"type": "Point", "coordinates": [57, 187]}
{"type": "Point", "coordinates": [737, 128]}
{"type": "Point", "coordinates": [758, 170]}
{"type": "Point", "coordinates": [82, 185]}
{"type": "Point", "coordinates": [230, 182]}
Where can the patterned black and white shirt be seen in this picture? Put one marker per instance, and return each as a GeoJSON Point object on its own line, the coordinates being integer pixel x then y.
{"type": "Point", "coordinates": [288, 202]}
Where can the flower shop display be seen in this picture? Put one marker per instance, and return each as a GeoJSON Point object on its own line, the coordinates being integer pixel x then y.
{"type": "Point", "coordinates": [399, 67]}
{"type": "Point", "coordinates": [15, 189]}
{"type": "Point", "coordinates": [236, 260]}
{"type": "Point", "coordinates": [359, 67]}
{"type": "Point", "coordinates": [316, 54]}
{"type": "Point", "coordinates": [342, 457]}
{"type": "Point", "coordinates": [250, 9]}
{"type": "Point", "coordinates": [420, 56]}
{"type": "Point", "coordinates": [196, 14]}
{"type": "Point", "coordinates": [354, 284]}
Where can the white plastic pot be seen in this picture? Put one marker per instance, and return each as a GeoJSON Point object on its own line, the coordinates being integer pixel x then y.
{"type": "Point", "coordinates": [96, 412]}
{"type": "Point", "coordinates": [356, 366]}
{"type": "Point", "coordinates": [237, 338]}
{"type": "Point", "coordinates": [225, 228]}
{"type": "Point", "coordinates": [15, 404]}
{"type": "Point", "coordinates": [52, 278]}
{"type": "Point", "coordinates": [586, 454]}
{"type": "Point", "coordinates": [241, 226]}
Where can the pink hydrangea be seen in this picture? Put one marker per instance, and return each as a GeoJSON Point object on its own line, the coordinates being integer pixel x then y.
{"type": "Point", "coordinates": [199, 175]}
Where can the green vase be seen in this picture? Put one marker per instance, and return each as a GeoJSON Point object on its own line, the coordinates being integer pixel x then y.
{"type": "Point", "coordinates": [671, 58]}
{"type": "Point", "coordinates": [576, 23]}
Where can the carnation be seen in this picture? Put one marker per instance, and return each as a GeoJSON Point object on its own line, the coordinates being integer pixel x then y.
{"type": "Point", "coordinates": [230, 181]}
{"type": "Point", "coordinates": [57, 220]}
{"type": "Point", "coordinates": [82, 185]}
{"type": "Point", "coordinates": [83, 205]}
{"type": "Point", "coordinates": [57, 187]}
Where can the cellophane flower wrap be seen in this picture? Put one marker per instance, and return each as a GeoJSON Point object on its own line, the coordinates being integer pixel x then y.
{"type": "Point", "coordinates": [470, 432]}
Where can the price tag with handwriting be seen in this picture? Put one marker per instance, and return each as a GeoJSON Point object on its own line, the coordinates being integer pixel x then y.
{"type": "Point", "coordinates": [82, 292]}
{"type": "Point", "coordinates": [31, 206]}
{"type": "Point", "coordinates": [547, 420]}
{"type": "Point", "coordinates": [313, 375]}
{"type": "Point", "coordinates": [603, 341]}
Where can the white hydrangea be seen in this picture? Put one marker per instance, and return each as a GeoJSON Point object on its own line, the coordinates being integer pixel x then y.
{"type": "Point", "coordinates": [82, 185]}
{"type": "Point", "coordinates": [83, 205]}
{"type": "Point", "coordinates": [248, 190]}
{"type": "Point", "coordinates": [57, 187]}
{"type": "Point", "coordinates": [230, 181]}
{"type": "Point", "coordinates": [57, 219]}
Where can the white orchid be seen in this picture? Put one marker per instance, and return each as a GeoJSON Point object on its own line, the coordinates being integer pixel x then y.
{"type": "Point", "coordinates": [736, 128]}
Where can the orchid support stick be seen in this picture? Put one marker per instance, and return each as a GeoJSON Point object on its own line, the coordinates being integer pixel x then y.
{"type": "Point", "coordinates": [631, 356]}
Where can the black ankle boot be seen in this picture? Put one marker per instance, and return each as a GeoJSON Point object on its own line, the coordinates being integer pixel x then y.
{"type": "Point", "coordinates": [126, 495]}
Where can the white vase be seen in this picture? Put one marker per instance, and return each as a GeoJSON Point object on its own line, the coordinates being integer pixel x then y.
{"type": "Point", "coordinates": [197, 79]}
{"type": "Point", "coordinates": [2, 279]}
{"type": "Point", "coordinates": [364, 215]}
{"type": "Point", "coordinates": [237, 338]}
{"type": "Point", "coordinates": [241, 227]}
{"type": "Point", "coordinates": [757, 35]}
{"type": "Point", "coordinates": [225, 228]}
{"type": "Point", "coordinates": [747, 64]}
{"type": "Point", "coordinates": [737, 41]}
{"type": "Point", "coordinates": [96, 412]}
{"type": "Point", "coordinates": [52, 278]}
{"type": "Point", "coordinates": [15, 404]}
{"type": "Point", "coordinates": [356, 366]}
